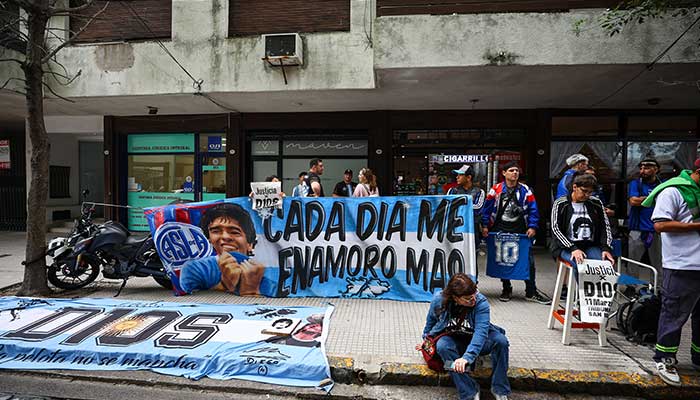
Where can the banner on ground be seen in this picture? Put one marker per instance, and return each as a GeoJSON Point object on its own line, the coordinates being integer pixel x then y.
{"type": "Point", "coordinates": [399, 248]}
{"type": "Point", "coordinates": [508, 256]}
{"type": "Point", "coordinates": [597, 282]}
{"type": "Point", "coordinates": [272, 344]}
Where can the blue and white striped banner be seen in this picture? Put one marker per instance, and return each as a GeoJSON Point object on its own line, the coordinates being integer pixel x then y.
{"type": "Point", "coordinates": [399, 248]}
{"type": "Point", "coordinates": [272, 344]}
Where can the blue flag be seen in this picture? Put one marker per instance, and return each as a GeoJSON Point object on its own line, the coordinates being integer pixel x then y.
{"type": "Point", "coordinates": [508, 256]}
{"type": "Point", "coordinates": [264, 343]}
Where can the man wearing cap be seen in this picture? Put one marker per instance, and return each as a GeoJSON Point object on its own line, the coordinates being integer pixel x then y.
{"type": "Point", "coordinates": [577, 163]}
{"type": "Point", "coordinates": [346, 187]}
{"type": "Point", "coordinates": [676, 216]}
{"type": "Point", "coordinates": [465, 185]}
{"type": "Point", "coordinates": [644, 242]}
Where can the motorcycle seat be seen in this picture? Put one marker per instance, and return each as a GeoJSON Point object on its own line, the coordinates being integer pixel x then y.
{"type": "Point", "coordinates": [134, 240]}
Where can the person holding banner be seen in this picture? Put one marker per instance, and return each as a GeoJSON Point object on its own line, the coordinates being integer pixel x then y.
{"type": "Point", "coordinates": [676, 216]}
{"type": "Point", "coordinates": [229, 229]}
{"type": "Point", "coordinates": [580, 226]}
{"type": "Point", "coordinates": [465, 185]}
{"type": "Point", "coordinates": [510, 207]}
{"type": "Point", "coordinates": [462, 316]}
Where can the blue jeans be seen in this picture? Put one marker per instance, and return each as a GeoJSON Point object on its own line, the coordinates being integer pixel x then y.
{"type": "Point", "coordinates": [496, 344]}
{"type": "Point", "coordinates": [593, 253]}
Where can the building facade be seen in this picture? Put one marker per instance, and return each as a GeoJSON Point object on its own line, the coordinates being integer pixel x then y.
{"type": "Point", "coordinates": [187, 105]}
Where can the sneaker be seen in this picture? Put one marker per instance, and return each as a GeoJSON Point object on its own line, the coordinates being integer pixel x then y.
{"type": "Point", "coordinates": [539, 298]}
{"type": "Point", "coordinates": [476, 396]}
{"type": "Point", "coordinates": [666, 369]}
{"type": "Point", "coordinates": [500, 396]}
{"type": "Point", "coordinates": [506, 294]}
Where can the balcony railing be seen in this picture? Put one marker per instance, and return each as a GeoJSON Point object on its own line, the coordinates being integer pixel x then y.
{"type": "Point", "coordinates": [437, 7]}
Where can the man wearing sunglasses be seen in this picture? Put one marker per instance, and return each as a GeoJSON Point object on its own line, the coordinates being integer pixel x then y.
{"type": "Point", "coordinates": [580, 227]}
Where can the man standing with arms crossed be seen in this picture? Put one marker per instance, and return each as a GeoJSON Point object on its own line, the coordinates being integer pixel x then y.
{"type": "Point", "coordinates": [643, 240]}
{"type": "Point", "coordinates": [676, 216]}
{"type": "Point", "coordinates": [313, 181]}
{"type": "Point", "coordinates": [510, 207]}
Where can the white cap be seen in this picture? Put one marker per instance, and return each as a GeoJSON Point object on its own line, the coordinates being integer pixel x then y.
{"type": "Point", "coordinates": [575, 159]}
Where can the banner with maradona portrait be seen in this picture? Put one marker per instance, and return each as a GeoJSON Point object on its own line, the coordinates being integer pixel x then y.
{"type": "Point", "coordinates": [398, 248]}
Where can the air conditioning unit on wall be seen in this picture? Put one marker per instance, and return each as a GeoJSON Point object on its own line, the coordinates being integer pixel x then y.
{"type": "Point", "coordinates": [283, 49]}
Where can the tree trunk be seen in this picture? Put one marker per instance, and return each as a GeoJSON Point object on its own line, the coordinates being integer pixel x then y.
{"type": "Point", "coordinates": [35, 265]}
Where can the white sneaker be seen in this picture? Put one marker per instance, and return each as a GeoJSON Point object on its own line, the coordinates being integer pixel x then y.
{"type": "Point", "coordinates": [476, 396]}
{"type": "Point", "coordinates": [500, 396]}
{"type": "Point", "coordinates": [666, 369]}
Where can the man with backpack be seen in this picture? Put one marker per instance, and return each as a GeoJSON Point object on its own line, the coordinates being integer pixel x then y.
{"type": "Point", "coordinates": [644, 243]}
{"type": "Point", "coordinates": [676, 216]}
{"type": "Point", "coordinates": [510, 207]}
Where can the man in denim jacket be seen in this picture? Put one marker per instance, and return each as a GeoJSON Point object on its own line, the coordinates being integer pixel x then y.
{"type": "Point", "coordinates": [459, 309]}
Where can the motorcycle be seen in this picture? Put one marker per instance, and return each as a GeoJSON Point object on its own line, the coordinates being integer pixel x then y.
{"type": "Point", "coordinates": [77, 259]}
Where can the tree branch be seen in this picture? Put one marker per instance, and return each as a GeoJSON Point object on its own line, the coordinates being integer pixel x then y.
{"type": "Point", "coordinates": [56, 94]}
{"type": "Point", "coordinates": [69, 10]}
{"type": "Point", "coordinates": [7, 82]}
{"type": "Point", "coordinates": [49, 56]}
{"type": "Point", "coordinates": [69, 79]}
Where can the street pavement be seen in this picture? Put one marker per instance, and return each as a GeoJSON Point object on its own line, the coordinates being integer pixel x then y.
{"type": "Point", "coordinates": [373, 340]}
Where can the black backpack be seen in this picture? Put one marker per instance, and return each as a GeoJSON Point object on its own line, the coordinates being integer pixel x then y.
{"type": "Point", "coordinates": [638, 319]}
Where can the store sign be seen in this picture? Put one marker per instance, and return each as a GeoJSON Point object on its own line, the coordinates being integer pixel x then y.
{"type": "Point", "coordinates": [161, 143]}
{"type": "Point", "coordinates": [214, 144]}
{"type": "Point", "coordinates": [4, 154]}
{"type": "Point", "coordinates": [459, 158]}
{"type": "Point", "coordinates": [140, 200]}
{"type": "Point", "coordinates": [325, 148]}
{"type": "Point", "coordinates": [265, 147]}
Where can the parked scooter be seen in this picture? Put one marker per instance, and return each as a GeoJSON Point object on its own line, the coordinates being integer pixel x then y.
{"type": "Point", "coordinates": [77, 259]}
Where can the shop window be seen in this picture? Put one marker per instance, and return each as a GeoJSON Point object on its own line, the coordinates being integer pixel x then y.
{"type": "Point", "coordinates": [585, 126]}
{"type": "Point", "coordinates": [654, 127]}
{"type": "Point", "coordinates": [334, 169]}
{"type": "Point", "coordinates": [156, 180]}
{"type": "Point", "coordinates": [672, 156]}
{"type": "Point", "coordinates": [59, 182]}
{"type": "Point", "coordinates": [606, 157]}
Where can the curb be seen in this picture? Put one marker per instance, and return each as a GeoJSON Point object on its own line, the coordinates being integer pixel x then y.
{"type": "Point", "coordinates": [559, 381]}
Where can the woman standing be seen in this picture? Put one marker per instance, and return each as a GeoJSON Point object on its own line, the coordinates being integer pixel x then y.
{"type": "Point", "coordinates": [368, 184]}
{"type": "Point", "coordinates": [462, 316]}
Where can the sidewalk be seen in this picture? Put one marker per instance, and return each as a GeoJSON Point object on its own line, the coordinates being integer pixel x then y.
{"type": "Point", "coordinates": [373, 340]}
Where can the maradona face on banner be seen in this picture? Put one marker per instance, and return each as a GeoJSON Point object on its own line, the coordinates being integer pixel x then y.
{"type": "Point", "coordinates": [400, 248]}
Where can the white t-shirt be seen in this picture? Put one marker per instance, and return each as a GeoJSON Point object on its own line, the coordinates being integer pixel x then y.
{"type": "Point", "coordinates": [680, 250]}
{"type": "Point", "coordinates": [580, 225]}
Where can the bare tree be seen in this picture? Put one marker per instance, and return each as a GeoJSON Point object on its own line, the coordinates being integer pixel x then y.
{"type": "Point", "coordinates": [29, 21]}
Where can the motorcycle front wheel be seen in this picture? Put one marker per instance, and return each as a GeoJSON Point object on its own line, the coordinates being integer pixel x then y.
{"type": "Point", "coordinates": [62, 276]}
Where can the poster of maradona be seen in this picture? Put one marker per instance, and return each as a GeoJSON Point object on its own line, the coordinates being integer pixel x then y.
{"type": "Point", "coordinates": [399, 248]}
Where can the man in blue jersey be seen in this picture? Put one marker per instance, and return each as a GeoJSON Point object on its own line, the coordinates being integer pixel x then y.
{"type": "Point", "coordinates": [229, 228]}
{"type": "Point", "coordinates": [644, 242]}
{"type": "Point", "coordinates": [577, 163]}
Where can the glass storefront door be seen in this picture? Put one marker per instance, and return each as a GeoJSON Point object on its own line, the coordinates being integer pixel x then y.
{"type": "Point", "coordinates": [164, 168]}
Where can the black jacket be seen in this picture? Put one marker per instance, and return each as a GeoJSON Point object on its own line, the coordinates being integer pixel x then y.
{"type": "Point", "coordinates": [561, 215]}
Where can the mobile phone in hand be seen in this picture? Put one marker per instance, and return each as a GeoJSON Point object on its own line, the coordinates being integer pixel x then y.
{"type": "Point", "coordinates": [449, 366]}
